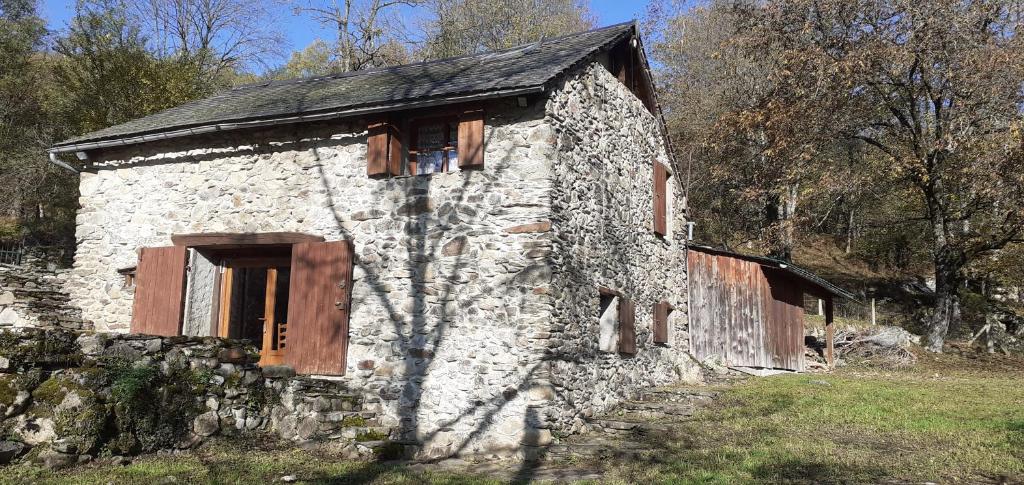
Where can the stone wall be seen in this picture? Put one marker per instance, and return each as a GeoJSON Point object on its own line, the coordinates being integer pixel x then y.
{"type": "Point", "coordinates": [450, 272]}
{"type": "Point", "coordinates": [33, 295]}
{"type": "Point", "coordinates": [603, 212]}
{"type": "Point", "coordinates": [68, 397]}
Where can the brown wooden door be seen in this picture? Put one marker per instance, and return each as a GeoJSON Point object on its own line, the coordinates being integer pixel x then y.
{"type": "Point", "coordinates": [318, 310]}
{"type": "Point", "coordinates": [256, 313]}
{"type": "Point", "coordinates": [159, 303]}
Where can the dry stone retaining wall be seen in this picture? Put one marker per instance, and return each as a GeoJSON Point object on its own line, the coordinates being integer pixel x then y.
{"type": "Point", "coordinates": [68, 397]}
{"type": "Point", "coordinates": [32, 294]}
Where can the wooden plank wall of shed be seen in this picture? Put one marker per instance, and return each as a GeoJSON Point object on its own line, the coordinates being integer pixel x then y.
{"type": "Point", "coordinates": [744, 315]}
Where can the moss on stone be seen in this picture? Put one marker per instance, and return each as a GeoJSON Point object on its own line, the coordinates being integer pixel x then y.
{"type": "Point", "coordinates": [260, 397]}
{"type": "Point", "coordinates": [371, 435]}
{"type": "Point", "coordinates": [8, 390]}
{"type": "Point", "coordinates": [53, 390]}
{"type": "Point", "coordinates": [55, 348]}
{"type": "Point", "coordinates": [353, 421]}
{"type": "Point", "coordinates": [389, 451]}
{"type": "Point", "coordinates": [153, 409]}
{"type": "Point", "coordinates": [83, 425]}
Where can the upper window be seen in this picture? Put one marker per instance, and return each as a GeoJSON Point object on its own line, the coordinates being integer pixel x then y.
{"type": "Point", "coordinates": [447, 143]}
{"type": "Point", "coordinates": [433, 146]}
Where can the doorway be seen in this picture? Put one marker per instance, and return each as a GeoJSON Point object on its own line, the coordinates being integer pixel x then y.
{"type": "Point", "coordinates": [253, 304]}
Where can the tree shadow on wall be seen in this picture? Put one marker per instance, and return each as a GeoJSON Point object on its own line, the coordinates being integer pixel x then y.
{"type": "Point", "coordinates": [434, 254]}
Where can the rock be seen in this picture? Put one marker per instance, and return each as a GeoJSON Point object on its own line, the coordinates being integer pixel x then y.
{"type": "Point", "coordinates": [9, 450]}
{"type": "Point", "coordinates": [289, 478]}
{"type": "Point", "coordinates": [454, 247]}
{"type": "Point", "coordinates": [306, 428]}
{"type": "Point", "coordinates": [56, 460]}
{"type": "Point", "coordinates": [5, 364]}
{"type": "Point", "coordinates": [21, 401]}
{"type": "Point", "coordinates": [8, 316]}
{"type": "Point", "coordinates": [92, 344]}
{"type": "Point", "coordinates": [64, 446]}
{"type": "Point", "coordinates": [278, 372]}
{"type": "Point", "coordinates": [6, 298]}
{"type": "Point", "coordinates": [206, 424]}
{"type": "Point", "coordinates": [233, 355]}
{"type": "Point", "coordinates": [35, 431]}
{"type": "Point", "coordinates": [153, 346]}
{"type": "Point", "coordinates": [116, 460]}
{"type": "Point", "coordinates": [287, 427]}
{"type": "Point", "coordinates": [529, 228]}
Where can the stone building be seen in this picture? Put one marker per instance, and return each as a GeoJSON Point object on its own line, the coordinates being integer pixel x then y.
{"type": "Point", "coordinates": [490, 246]}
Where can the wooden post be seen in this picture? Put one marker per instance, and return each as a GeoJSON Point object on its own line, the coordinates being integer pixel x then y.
{"type": "Point", "coordinates": [873, 312]}
{"type": "Point", "coordinates": [830, 334]}
{"type": "Point", "coordinates": [821, 307]}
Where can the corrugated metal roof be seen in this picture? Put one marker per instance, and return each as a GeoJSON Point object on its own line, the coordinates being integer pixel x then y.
{"type": "Point", "coordinates": [528, 66]}
{"type": "Point", "coordinates": [802, 273]}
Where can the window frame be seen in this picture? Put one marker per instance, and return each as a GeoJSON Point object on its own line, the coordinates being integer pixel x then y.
{"type": "Point", "coordinates": [449, 122]}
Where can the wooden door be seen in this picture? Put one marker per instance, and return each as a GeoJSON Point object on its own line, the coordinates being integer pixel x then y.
{"type": "Point", "coordinates": [275, 328]}
{"type": "Point", "coordinates": [159, 303]}
{"type": "Point", "coordinates": [273, 303]}
{"type": "Point", "coordinates": [320, 289]}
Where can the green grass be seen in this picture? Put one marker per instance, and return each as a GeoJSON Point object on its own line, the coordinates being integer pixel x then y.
{"type": "Point", "coordinates": [235, 462]}
{"type": "Point", "coordinates": [947, 420]}
{"type": "Point", "coordinates": [951, 419]}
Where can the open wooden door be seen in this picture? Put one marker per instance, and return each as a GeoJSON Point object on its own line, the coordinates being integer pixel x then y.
{"type": "Point", "coordinates": [159, 303]}
{"type": "Point", "coordinates": [318, 312]}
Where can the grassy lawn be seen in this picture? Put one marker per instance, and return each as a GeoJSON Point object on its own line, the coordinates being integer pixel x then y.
{"type": "Point", "coordinates": [949, 419]}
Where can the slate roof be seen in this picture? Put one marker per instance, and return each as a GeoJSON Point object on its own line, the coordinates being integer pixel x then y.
{"type": "Point", "coordinates": [526, 68]}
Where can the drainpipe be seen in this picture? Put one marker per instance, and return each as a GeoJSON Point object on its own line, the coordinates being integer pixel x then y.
{"type": "Point", "coordinates": [56, 161]}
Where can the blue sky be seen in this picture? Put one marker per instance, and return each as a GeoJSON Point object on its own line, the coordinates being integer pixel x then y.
{"type": "Point", "coordinates": [300, 31]}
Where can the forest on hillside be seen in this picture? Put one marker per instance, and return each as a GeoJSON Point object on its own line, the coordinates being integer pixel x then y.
{"type": "Point", "coordinates": [889, 132]}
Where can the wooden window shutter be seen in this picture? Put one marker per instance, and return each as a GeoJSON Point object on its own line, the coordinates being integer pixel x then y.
{"type": "Point", "coordinates": [383, 148]}
{"type": "Point", "coordinates": [660, 199]}
{"type": "Point", "coordinates": [627, 326]}
{"type": "Point", "coordinates": [471, 138]}
{"type": "Point", "coordinates": [661, 310]}
{"type": "Point", "coordinates": [159, 303]}
{"type": "Point", "coordinates": [319, 307]}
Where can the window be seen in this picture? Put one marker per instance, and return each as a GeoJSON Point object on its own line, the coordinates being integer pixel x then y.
{"type": "Point", "coordinates": [616, 314]}
{"type": "Point", "coordinates": [448, 140]}
{"type": "Point", "coordinates": [433, 147]}
{"type": "Point", "coordinates": [608, 315]}
{"type": "Point", "coordinates": [662, 200]}
{"type": "Point", "coordinates": [128, 277]}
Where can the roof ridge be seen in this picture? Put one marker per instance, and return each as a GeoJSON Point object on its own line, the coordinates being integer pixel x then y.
{"type": "Point", "coordinates": [478, 55]}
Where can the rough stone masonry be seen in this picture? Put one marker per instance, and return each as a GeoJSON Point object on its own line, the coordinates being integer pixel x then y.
{"type": "Point", "coordinates": [475, 309]}
{"type": "Point", "coordinates": [68, 397]}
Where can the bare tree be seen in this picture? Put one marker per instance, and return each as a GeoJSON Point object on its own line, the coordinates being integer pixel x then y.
{"type": "Point", "coordinates": [459, 27]}
{"type": "Point", "coordinates": [370, 33]}
{"type": "Point", "coordinates": [218, 37]}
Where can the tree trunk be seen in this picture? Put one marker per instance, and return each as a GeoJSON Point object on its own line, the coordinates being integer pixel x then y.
{"type": "Point", "coordinates": [849, 232]}
{"type": "Point", "coordinates": [947, 299]}
{"type": "Point", "coordinates": [779, 214]}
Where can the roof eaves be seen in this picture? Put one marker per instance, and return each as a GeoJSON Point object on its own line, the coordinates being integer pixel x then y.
{"type": "Point", "coordinates": [802, 273]}
{"type": "Point", "coordinates": [239, 124]}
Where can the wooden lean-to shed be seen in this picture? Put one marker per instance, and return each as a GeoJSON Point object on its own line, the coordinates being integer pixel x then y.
{"type": "Point", "coordinates": [747, 311]}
